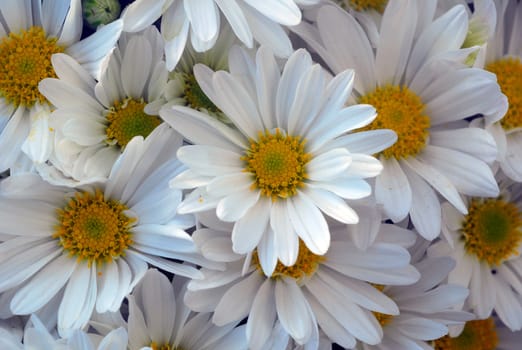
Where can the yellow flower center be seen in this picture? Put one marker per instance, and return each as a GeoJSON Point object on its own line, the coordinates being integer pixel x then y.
{"type": "Point", "coordinates": [195, 97]}
{"type": "Point", "coordinates": [383, 319]}
{"type": "Point", "coordinates": [363, 5]}
{"type": "Point", "coordinates": [25, 59]}
{"type": "Point", "coordinates": [155, 346]}
{"type": "Point", "coordinates": [492, 230]}
{"type": "Point", "coordinates": [477, 335]}
{"type": "Point", "coordinates": [509, 77]}
{"type": "Point", "coordinates": [94, 229]}
{"type": "Point", "coordinates": [277, 163]}
{"type": "Point", "coordinates": [402, 111]}
{"type": "Point", "coordinates": [128, 119]}
{"type": "Point", "coordinates": [304, 267]}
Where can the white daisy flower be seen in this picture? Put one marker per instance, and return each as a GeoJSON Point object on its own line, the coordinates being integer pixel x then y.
{"type": "Point", "coordinates": [183, 88]}
{"type": "Point", "coordinates": [94, 243]}
{"type": "Point", "coordinates": [249, 19]}
{"type": "Point", "coordinates": [426, 308]}
{"type": "Point", "coordinates": [37, 337]}
{"type": "Point", "coordinates": [289, 158]}
{"type": "Point", "coordinates": [486, 334]}
{"type": "Point", "coordinates": [31, 32]}
{"type": "Point", "coordinates": [328, 291]}
{"type": "Point", "coordinates": [486, 244]}
{"type": "Point", "coordinates": [94, 121]}
{"type": "Point", "coordinates": [481, 25]}
{"type": "Point", "coordinates": [158, 319]}
{"type": "Point", "coordinates": [423, 91]}
{"type": "Point", "coordinates": [504, 58]}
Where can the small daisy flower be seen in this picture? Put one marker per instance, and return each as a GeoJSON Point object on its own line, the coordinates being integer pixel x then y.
{"type": "Point", "coordinates": [94, 243]}
{"type": "Point", "coordinates": [288, 159]}
{"type": "Point", "coordinates": [183, 88]}
{"type": "Point", "coordinates": [249, 20]}
{"type": "Point", "coordinates": [486, 244]}
{"type": "Point", "coordinates": [327, 291]}
{"type": "Point", "coordinates": [158, 319]}
{"type": "Point", "coordinates": [422, 91]}
{"type": "Point", "coordinates": [37, 337]}
{"type": "Point", "coordinates": [426, 308]}
{"type": "Point", "coordinates": [31, 32]}
{"type": "Point", "coordinates": [94, 121]}
{"type": "Point", "coordinates": [504, 58]}
{"type": "Point", "coordinates": [486, 334]}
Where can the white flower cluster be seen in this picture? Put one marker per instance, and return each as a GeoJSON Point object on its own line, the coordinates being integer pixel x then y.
{"type": "Point", "coordinates": [261, 174]}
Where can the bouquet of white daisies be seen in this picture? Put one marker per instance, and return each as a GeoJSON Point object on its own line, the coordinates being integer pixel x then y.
{"type": "Point", "coordinates": [261, 174]}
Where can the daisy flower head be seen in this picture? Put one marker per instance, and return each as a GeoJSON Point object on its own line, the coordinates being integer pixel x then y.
{"type": "Point", "coordinates": [183, 88]}
{"type": "Point", "coordinates": [37, 336]}
{"type": "Point", "coordinates": [95, 120]}
{"type": "Point", "coordinates": [504, 59]}
{"type": "Point", "coordinates": [486, 245]}
{"type": "Point", "coordinates": [486, 334]}
{"type": "Point", "coordinates": [31, 32]}
{"type": "Point", "coordinates": [481, 26]}
{"type": "Point", "coordinates": [423, 91]}
{"type": "Point", "coordinates": [426, 308]}
{"type": "Point", "coordinates": [327, 293]}
{"type": "Point", "coordinates": [249, 20]}
{"type": "Point", "coordinates": [93, 243]}
{"type": "Point", "coordinates": [158, 319]}
{"type": "Point", "coordinates": [288, 158]}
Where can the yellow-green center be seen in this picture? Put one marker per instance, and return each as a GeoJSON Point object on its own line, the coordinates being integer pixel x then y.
{"type": "Point", "coordinates": [509, 77]}
{"type": "Point", "coordinates": [94, 229]}
{"type": "Point", "coordinates": [155, 346]}
{"type": "Point", "coordinates": [363, 5]}
{"type": "Point", "coordinates": [304, 267]}
{"type": "Point", "coordinates": [25, 59]}
{"type": "Point", "coordinates": [402, 111]}
{"type": "Point", "coordinates": [195, 97]}
{"type": "Point", "coordinates": [492, 230]}
{"type": "Point", "coordinates": [128, 119]}
{"type": "Point", "coordinates": [477, 335]}
{"type": "Point", "coordinates": [277, 164]}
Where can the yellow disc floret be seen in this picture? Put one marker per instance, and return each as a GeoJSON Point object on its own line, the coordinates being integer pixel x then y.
{"type": "Point", "coordinates": [94, 229]}
{"type": "Point", "coordinates": [195, 97]}
{"type": "Point", "coordinates": [492, 230]}
{"type": "Point", "coordinates": [509, 77]}
{"type": "Point", "coordinates": [304, 267]}
{"type": "Point", "coordinates": [25, 59]}
{"type": "Point", "coordinates": [128, 119]}
{"type": "Point", "coordinates": [363, 5]}
{"type": "Point", "coordinates": [277, 163]}
{"type": "Point", "coordinates": [155, 346]}
{"type": "Point", "coordinates": [477, 335]}
{"type": "Point", "coordinates": [402, 111]}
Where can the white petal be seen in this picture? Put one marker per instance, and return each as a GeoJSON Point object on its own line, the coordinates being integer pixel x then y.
{"type": "Point", "coordinates": [470, 175]}
{"type": "Point", "coordinates": [333, 206]}
{"type": "Point", "coordinates": [293, 311]}
{"type": "Point", "coordinates": [78, 300]}
{"type": "Point", "coordinates": [328, 165]}
{"type": "Point", "coordinates": [262, 316]}
{"type": "Point", "coordinates": [286, 240]}
{"type": "Point", "coordinates": [43, 286]}
{"type": "Point", "coordinates": [250, 227]}
{"type": "Point", "coordinates": [203, 17]}
{"type": "Point", "coordinates": [392, 189]}
{"type": "Point", "coordinates": [309, 223]}
{"type": "Point", "coordinates": [235, 206]}
{"type": "Point", "coordinates": [237, 301]}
